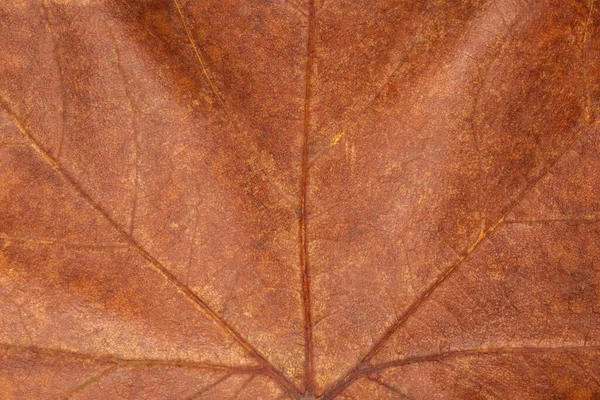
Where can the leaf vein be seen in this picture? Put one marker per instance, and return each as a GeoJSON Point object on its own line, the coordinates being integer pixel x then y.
{"type": "Point", "coordinates": [161, 269]}
{"type": "Point", "coordinates": [425, 295]}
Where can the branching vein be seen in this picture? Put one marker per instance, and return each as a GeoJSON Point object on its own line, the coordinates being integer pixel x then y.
{"type": "Point", "coordinates": [157, 265]}
{"type": "Point", "coordinates": [426, 294]}
{"type": "Point", "coordinates": [129, 362]}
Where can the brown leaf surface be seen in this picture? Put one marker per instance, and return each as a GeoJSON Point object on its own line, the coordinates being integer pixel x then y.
{"type": "Point", "coordinates": [299, 199]}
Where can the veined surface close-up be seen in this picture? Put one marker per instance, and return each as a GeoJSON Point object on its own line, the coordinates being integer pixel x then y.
{"type": "Point", "coordinates": [299, 199]}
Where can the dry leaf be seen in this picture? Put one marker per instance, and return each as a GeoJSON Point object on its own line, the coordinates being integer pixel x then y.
{"type": "Point", "coordinates": [251, 199]}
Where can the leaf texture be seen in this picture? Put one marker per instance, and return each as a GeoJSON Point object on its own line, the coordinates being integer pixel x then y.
{"type": "Point", "coordinates": [299, 199]}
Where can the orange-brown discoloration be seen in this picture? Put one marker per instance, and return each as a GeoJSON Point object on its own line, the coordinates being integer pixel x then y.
{"type": "Point", "coordinates": [299, 199]}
